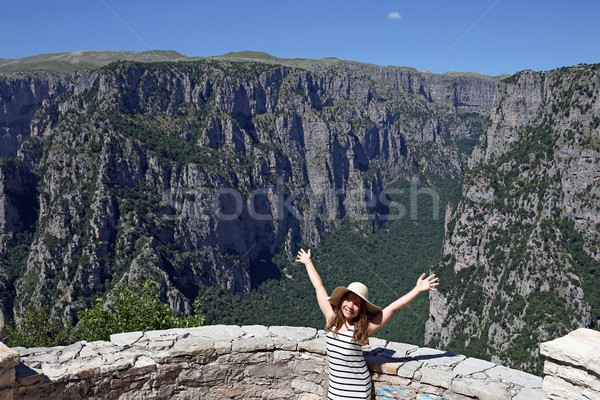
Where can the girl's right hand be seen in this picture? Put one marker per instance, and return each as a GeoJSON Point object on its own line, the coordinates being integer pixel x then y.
{"type": "Point", "coordinates": [303, 256]}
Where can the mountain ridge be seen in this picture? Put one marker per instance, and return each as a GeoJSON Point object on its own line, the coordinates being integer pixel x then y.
{"type": "Point", "coordinates": [68, 62]}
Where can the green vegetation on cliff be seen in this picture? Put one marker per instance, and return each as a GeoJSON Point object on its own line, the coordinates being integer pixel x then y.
{"type": "Point", "coordinates": [388, 260]}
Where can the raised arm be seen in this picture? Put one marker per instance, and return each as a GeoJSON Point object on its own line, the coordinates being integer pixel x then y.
{"type": "Point", "coordinates": [423, 284]}
{"type": "Point", "coordinates": [315, 279]}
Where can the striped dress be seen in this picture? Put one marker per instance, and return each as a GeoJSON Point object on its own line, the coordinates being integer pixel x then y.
{"type": "Point", "coordinates": [349, 377]}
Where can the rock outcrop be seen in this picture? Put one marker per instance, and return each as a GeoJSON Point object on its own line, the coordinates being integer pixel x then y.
{"type": "Point", "coordinates": [521, 249]}
{"type": "Point", "coordinates": [572, 366]}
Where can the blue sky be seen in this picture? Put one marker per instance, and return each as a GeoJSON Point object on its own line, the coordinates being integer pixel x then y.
{"type": "Point", "coordinates": [486, 36]}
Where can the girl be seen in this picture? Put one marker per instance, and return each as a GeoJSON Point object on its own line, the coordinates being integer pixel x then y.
{"type": "Point", "coordinates": [351, 319]}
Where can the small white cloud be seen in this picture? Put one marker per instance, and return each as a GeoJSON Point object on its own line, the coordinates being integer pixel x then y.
{"type": "Point", "coordinates": [394, 15]}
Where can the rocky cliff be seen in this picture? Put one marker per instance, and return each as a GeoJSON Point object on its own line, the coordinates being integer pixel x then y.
{"type": "Point", "coordinates": [521, 253]}
{"type": "Point", "coordinates": [191, 173]}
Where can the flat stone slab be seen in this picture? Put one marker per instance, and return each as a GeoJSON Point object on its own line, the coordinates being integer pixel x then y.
{"type": "Point", "coordinates": [520, 378]}
{"type": "Point", "coordinates": [400, 350]}
{"type": "Point", "coordinates": [125, 339]}
{"type": "Point", "coordinates": [436, 357]}
{"type": "Point", "coordinates": [167, 334]}
{"type": "Point", "coordinates": [69, 352]}
{"type": "Point", "coordinates": [481, 389]}
{"type": "Point", "coordinates": [375, 343]}
{"type": "Point", "coordinates": [294, 333]}
{"type": "Point", "coordinates": [192, 346]}
{"type": "Point", "coordinates": [471, 366]}
{"type": "Point", "coordinates": [217, 333]}
{"type": "Point", "coordinates": [256, 330]}
{"type": "Point", "coordinates": [580, 347]}
{"type": "Point", "coordinates": [529, 394]}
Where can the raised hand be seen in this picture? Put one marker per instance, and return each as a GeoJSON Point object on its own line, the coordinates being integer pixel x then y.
{"type": "Point", "coordinates": [429, 283]}
{"type": "Point", "coordinates": [303, 256]}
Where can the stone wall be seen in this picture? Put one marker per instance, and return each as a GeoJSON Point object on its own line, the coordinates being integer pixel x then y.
{"type": "Point", "coordinates": [572, 366]}
{"type": "Point", "coordinates": [248, 362]}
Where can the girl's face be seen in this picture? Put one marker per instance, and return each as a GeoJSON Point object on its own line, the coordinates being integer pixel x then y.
{"type": "Point", "coordinates": [351, 306]}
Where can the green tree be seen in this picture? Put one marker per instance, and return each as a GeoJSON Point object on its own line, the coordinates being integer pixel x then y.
{"type": "Point", "coordinates": [128, 311]}
{"type": "Point", "coordinates": [37, 328]}
{"type": "Point", "coordinates": [131, 311]}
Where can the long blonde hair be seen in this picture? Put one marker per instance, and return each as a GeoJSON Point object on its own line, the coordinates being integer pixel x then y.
{"type": "Point", "coordinates": [361, 323]}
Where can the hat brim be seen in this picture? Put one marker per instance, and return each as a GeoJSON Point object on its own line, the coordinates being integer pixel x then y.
{"type": "Point", "coordinates": [339, 292]}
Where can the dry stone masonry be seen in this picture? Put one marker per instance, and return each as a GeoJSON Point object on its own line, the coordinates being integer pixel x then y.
{"type": "Point", "coordinates": [247, 362]}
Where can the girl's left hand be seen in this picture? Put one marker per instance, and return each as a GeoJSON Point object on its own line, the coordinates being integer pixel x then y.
{"type": "Point", "coordinates": [429, 283]}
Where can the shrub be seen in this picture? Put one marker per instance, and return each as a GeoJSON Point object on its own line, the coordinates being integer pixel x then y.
{"type": "Point", "coordinates": [129, 311]}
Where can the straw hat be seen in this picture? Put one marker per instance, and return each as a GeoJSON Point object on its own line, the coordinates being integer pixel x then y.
{"type": "Point", "coordinates": [360, 290]}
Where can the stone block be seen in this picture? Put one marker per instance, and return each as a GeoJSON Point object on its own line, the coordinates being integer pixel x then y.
{"type": "Point", "coordinates": [375, 343]}
{"type": "Point", "coordinates": [8, 357]}
{"type": "Point", "coordinates": [267, 371]}
{"type": "Point", "coordinates": [51, 357]}
{"type": "Point", "coordinates": [192, 346]}
{"type": "Point", "coordinates": [382, 365]}
{"type": "Point", "coordinates": [256, 330]}
{"type": "Point", "coordinates": [400, 350]}
{"type": "Point", "coordinates": [223, 347]}
{"type": "Point", "coordinates": [277, 394]}
{"type": "Point", "coordinates": [7, 377]}
{"type": "Point", "coordinates": [250, 344]}
{"type": "Point", "coordinates": [69, 352]}
{"type": "Point", "coordinates": [297, 334]}
{"type": "Point", "coordinates": [390, 380]}
{"type": "Point", "coordinates": [481, 389]}
{"type": "Point", "coordinates": [227, 392]}
{"type": "Point", "coordinates": [285, 344]}
{"type": "Point", "coordinates": [408, 369]}
{"type": "Point", "coordinates": [529, 394]}
{"type": "Point", "coordinates": [118, 365]}
{"type": "Point", "coordinates": [125, 339]}
{"type": "Point", "coordinates": [309, 396]}
{"type": "Point", "coordinates": [143, 366]}
{"type": "Point", "coordinates": [218, 332]}
{"type": "Point", "coordinates": [471, 366]}
{"type": "Point", "coordinates": [207, 374]}
{"type": "Point", "coordinates": [82, 372]}
{"type": "Point", "coordinates": [303, 367]}
{"type": "Point", "coordinates": [318, 346]}
{"type": "Point", "coordinates": [436, 357]}
{"type": "Point", "coordinates": [559, 389]}
{"type": "Point", "coordinates": [302, 386]}
{"type": "Point", "coordinates": [165, 391]}
{"type": "Point", "coordinates": [87, 352]}
{"type": "Point", "coordinates": [520, 378]}
{"type": "Point", "coordinates": [7, 394]}
{"type": "Point", "coordinates": [576, 376]}
{"type": "Point", "coordinates": [282, 356]}
{"type": "Point", "coordinates": [27, 376]}
{"type": "Point", "coordinates": [437, 377]}
{"type": "Point", "coordinates": [580, 347]}
{"type": "Point", "coordinates": [167, 334]}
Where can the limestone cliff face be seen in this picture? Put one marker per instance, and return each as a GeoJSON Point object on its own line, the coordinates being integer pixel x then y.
{"type": "Point", "coordinates": [21, 96]}
{"type": "Point", "coordinates": [521, 249]}
{"type": "Point", "coordinates": [192, 173]}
